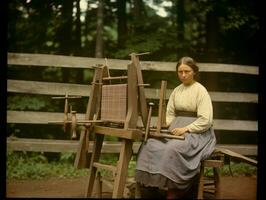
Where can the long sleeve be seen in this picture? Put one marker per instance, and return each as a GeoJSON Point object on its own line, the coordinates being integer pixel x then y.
{"type": "Point", "coordinates": [194, 98]}
{"type": "Point", "coordinates": [204, 114]}
{"type": "Point", "coordinates": [170, 110]}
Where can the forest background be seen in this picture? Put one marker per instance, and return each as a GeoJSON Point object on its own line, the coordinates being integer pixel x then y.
{"type": "Point", "coordinates": [210, 31]}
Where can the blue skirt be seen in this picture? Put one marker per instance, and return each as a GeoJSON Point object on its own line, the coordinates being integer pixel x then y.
{"type": "Point", "coordinates": [173, 163]}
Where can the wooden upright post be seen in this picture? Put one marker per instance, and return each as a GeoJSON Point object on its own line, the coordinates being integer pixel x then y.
{"type": "Point", "coordinates": [162, 104]}
{"type": "Point", "coordinates": [94, 158]}
{"type": "Point", "coordinates": [141, 92]}
{"type": "Point", "coordinates": [93, 108]}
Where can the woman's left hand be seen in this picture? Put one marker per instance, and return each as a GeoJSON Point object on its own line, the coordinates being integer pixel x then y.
{"type": "Point", "coordinates": [179, 131]}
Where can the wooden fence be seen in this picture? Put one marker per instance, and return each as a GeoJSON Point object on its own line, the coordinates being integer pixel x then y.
{"type": "Point", "coordinates": [236, 126]}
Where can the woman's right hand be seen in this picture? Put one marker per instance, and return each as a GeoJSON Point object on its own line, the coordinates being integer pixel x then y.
{"type": "Point", "coordinates": [179, 131]}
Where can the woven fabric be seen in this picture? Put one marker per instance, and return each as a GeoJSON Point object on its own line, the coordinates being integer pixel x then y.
{"type": "Point", "coordinates": [114, 102]}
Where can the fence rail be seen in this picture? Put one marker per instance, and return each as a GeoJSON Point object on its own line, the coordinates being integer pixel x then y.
{"type": "Point", "coordinates": [48, 88]}
{"type": "Point", "coordinates": [33, 117]}
{"type": "Point", "coordinates": [50, 145]}
{"type": "Point", "coordinates": [22, 59]}
{"type": "Point", "coordinates": [55, 89]}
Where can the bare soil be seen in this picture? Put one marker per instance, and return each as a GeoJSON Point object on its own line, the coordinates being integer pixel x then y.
{"type": "Point", "coordinates": [240, 187]}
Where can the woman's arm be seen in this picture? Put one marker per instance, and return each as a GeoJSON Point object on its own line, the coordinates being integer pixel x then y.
{"type": "Point", "coordinates": [204, 114]}
{"type": "Point", "coordinates": [170, 109]}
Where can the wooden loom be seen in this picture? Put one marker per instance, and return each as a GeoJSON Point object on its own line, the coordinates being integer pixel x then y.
{"type": "Point", "coordinates": [113, 109]}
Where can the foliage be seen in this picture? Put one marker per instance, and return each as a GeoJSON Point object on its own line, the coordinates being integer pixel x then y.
{"type": "Point", "coordinates": [26, 103]}
{"type": "Point", "coordinates": [43, 24]}
{"type": "Point", "coordinates": [237, 169]}
{"type": "Point", "coordinates": [36, 166]}
{"type": "Point", "coordinates": [22, 165]}
{"type": "Point", "coordinates": [35, 27]}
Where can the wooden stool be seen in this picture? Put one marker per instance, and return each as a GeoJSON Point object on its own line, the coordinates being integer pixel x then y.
{"type": "Point", "coordinates": [211, 184]}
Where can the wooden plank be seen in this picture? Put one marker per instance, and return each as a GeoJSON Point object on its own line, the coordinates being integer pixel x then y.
{"type": "Point", "coordinates": [234, 97]}
{"type": "Point", "coordinates": [122, 168]}
{"type": "Point", "coordinates": [141, 90]}
{"type": "Point", "coordinates": [244, 149]}
{"type": "Point", "coordinates": [24, 59]}
{"type": "Point", "coordinates": [30, 117]}
{"type": "Point", "coordinates": [50, 145]}
{"type": "Point", "coordinates": [133, 134]}
{"type": "Point", "coordinates": [224, 124]}
{"type": "Point", "coordinates": [235, 125]}
{"type": "Point", "coordinates": [92, 111]}
{"type": "Point", "coordinates": [48, 88]}
{"type": "Point", "coordinates": [162, 107]}
{"type": "Point", "coordinates": [41, 145]}
{"type": "Point", "coordinates": [236, 156]}
{"type": "Point", "coordinates": [132, 98]}
{"type": "Point", "coordinates": [213, 163]}
{"type": "Point", "coordinates": [94, 158]}
{"type": "Point", "coordinates": [105, 166]}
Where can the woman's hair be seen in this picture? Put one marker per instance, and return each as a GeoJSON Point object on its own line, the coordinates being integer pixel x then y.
{"type": "Point", "coordinates": [191, 63]}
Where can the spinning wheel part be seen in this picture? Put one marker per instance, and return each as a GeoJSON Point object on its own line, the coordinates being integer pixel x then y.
{"type": "Point", "coordinates": [66, 112]}
{"type": "Point", "coordinates": [148, 122]}
{"type": "Point", "coordinates": [162, 108]}
{"type": "Point", "coordinates": [66, 97]}
{"type": "Point", "coordinates": [74, 125]}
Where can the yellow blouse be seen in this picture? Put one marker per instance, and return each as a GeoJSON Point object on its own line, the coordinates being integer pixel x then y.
{"type": "Point", "coordinates": [193, 98]}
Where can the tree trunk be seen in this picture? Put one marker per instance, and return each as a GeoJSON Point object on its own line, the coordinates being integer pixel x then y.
{"type": "Point", "coordinates": [138, 16]}
{"type": "Point", "coordinates": [212, 35]}
{"type": "Point", "coordinates": [78, 49]}
{"type": "Point", "coordinates": [65, 30]}
{"type": "Point", "coordinates": [180, 28]}
{"type": "Point", "coordinates": [122, 23]}
{"type": "Point", "coordinates": [78, 30]}
{"type": "Point", "coordinates": [99, 34]}
{"type": "Point", "coordinates": [64, 34]}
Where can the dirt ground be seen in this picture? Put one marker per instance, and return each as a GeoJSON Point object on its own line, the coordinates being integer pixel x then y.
{"type": "Point", "coordinates": [242, 187]}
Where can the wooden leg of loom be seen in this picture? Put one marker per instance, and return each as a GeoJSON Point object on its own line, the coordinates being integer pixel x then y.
{"type": "Point", "coordinates": [95, 158]}
{"type": "Point", "coordinates": [122, 166]}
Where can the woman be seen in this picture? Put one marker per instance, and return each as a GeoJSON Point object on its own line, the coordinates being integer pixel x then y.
{"type": "Point", "coordinates": [174, 163]}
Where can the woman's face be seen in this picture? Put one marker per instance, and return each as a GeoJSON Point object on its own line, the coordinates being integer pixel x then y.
{"type": "Point", "coordinates": [186, 74]}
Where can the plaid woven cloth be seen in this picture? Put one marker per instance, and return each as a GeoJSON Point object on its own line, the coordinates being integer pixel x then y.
{"type": "Point", "coordinates": [114, 102]}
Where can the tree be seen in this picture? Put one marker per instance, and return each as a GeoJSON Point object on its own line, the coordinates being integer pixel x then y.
{"type": "Point", "coordinates": [64, 32]}
{"type": "Point", "coordinates": [99, 34]}
{"type": "Point", "coordinates": [77, 35]}
{"type": "Point", "coordinates": [138, 16]}
{"type": "Point", "coordinates": [180, 27]}
{"type": "Point", "coordinates": [121, 23]}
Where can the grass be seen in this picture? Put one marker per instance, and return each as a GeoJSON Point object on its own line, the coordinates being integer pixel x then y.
{"type": "Point", "coordinates": [39, 166]}
{"type": "Point", "coordinates": [23, 166]}
{"type": "Point", "coordinates": [237, 169]}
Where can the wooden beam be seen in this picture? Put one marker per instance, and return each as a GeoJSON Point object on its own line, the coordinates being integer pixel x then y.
{"type": "Point", "coordinates": [212, 163]}
{"type": "Point", "coordinates": [118, 132]}
{"type": "Point", "coordinates": [50, 145]}
{"type": "Point", "coordinates": [25, 59]}
{"type": "Point", "coordinates": [236, 156]}
{"type": "Point", "coordinates": [31, 117]}
{"type": "Point", "coordinates": [48, 88]}
{"type": "Point", "coordinates": [105, 166]}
